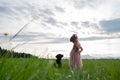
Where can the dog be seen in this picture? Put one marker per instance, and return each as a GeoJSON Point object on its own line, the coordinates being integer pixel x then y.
{"type": "Point", "coordinates": [58, 62]}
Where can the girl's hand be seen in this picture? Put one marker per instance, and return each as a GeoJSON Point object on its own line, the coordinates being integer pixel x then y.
{"type": "Point", "coordinates": [80, 50]}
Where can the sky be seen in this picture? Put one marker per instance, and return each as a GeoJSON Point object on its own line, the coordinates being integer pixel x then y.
{"type": "Point", "coordinates": [50, 23]}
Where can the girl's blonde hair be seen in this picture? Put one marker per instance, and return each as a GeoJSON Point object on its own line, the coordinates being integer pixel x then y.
{"type": "Point", "coordinates": [73, 38]}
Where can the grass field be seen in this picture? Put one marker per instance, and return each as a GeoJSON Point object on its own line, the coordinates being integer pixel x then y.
{"type": "Point", "coordinates": [43, 69]}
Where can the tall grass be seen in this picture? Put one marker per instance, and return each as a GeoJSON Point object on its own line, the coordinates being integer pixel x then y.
{"type": "Point", "coordinates": [15, 35]}
{"type": "Point", "coordinates": [24, 26]}
{"type": "Point", "coordinates": [43, 69]}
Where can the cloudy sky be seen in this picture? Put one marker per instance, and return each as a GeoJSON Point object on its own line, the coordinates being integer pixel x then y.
{"type": "Point", "coordinates": [50, 24]}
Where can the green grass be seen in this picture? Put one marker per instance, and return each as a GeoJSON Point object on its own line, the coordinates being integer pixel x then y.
{"type": "Point", "coordinates": [43, 69]}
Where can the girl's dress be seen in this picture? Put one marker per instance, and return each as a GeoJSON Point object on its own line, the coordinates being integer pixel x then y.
{"type": "Point", "coordinates": [75, 56]}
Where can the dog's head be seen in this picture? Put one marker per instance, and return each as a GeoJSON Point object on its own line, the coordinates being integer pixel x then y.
{"type": "Point", "coordinates": [59, 56]}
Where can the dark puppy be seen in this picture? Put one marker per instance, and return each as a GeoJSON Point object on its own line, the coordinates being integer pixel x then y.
{"type": "Point", "coordinates": [58, 60]}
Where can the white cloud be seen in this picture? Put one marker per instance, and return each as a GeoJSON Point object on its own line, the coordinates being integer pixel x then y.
{"type": "Point", "coordinates": [48, 15]}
